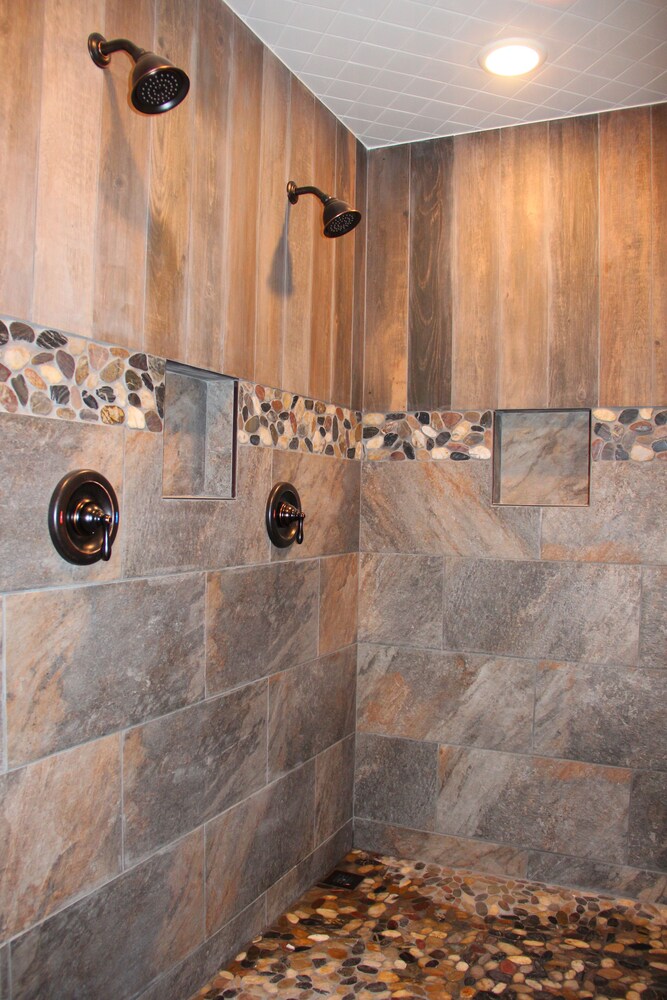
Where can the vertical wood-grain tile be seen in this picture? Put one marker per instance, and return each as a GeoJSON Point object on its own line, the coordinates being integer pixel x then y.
{"type": "Point", "coordinates": [68, 167]}
{"type": "Point", "coordinates": [522, 380]}
{"type": "Point", "coordinates": [359, 312]}
{"type": "Point", "coordinates": [210, 172]}
{"type": "Point", "coordinates": [659, 254]}
{"type": "Point", "coordinates": [300, 240]}
{"type": "Point", "coordinates": [170, 192]}
{"type": "Point", "coordinates": [625, 258]}
{"type": "Point", "coordinates": [385, 377]}
{"type": "Point", "coordinates": [272, 234]}
{"type": "Point", "coordinates": [476, 306]}
{"type": "Point", "coordinates": [430, 316]}
{"type": "Point", "coordinates": [21, 38]}
{"type": "Point", "coordinates": [343, 289]}
{"type": "Point", "coordinates": [242, 211]}
{"type": "Point", "coordinates": [324, 250]}
{"type": "Point", "coordinates": [122, 197]}
{"type": "Point", "coordinates": [572, 198]}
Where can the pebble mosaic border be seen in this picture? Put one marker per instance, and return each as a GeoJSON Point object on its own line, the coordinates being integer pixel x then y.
{"type": "Point", "coordinates": [413, 930]}
{"type": "Point", "coordinates": [637, 434]}
{"type": "Point", "coordinates": [428, 436]}
{"type": "Point", "coordinates": [46, 373]}
{"type": "Point", "coordinates": [270, 418]}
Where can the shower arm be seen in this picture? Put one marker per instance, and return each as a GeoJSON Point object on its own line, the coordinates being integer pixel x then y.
{"type": "Point", "coordinates": [293, 193]}
{"type": "Point", "coordinates": [101, 50]}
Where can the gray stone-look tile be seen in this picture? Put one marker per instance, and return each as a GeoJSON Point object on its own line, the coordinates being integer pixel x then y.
{"type": "Point", "coordinates": [653, 627]}
{"type": "Point", "coordinates": [184, 468]}
{"type": "Point", "coordinates": [452, 852]}
{"type": "Point", "coordinates": [400, 599]}
{"type": "Point", "coordinates": [185, 979]}
{"type": "Point", "coordinates": [442, 508]}
{"type": "Point", "coordinates": [3, 743]}
{"type": "Point", "coordinates": [609, 715]}
{"type": "Point", "coordinates": [338, 601]}
{"type": "Point", "coordinates": [254, 843]}
{"type": "Point", "coordinates": [260, 620]}
{"type": "Point", "coordinates": [329, 492]}
{"type": "Point", "coordinates": [564, 611]}
{"type": "Point", "coordinates": [396, 781]}
{"type": "Point", "coordinates": [334, 789]}
{"type": "Point", "coordinates": [115, 942]}
{"type": "Point", "coordinates": [164, 535]}
{"type": "Point", "coordinates": [318, 864]}
{"type": "Point", "coordinates": [462, 698]}
{"type": "Point", "coordinates": [564, 807]}
{"type": "Point", "coordinates": [648, 820]}
{"type": "Point", "coordinates": [554, 869]}
{"type": "Point", "coordinates": [624, 523]}
{"type": "Point", "coordinates": [186, 768]}
{"type": "Point", "coordinates": [35, 455]}
{"type": "Point", "coordinates": [84, 662]}
{"type": "Point", "coordinates": [60, 827]}
{"type": "Point", "coordinates": [310, 708]}
{"type": "Point", "coordinates": [4, 973]}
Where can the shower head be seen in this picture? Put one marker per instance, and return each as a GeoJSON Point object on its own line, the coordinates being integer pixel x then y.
{"type": "Point", "coordinates": [338, 217]}
{"type": "Point", "coordinates": [156, 85]}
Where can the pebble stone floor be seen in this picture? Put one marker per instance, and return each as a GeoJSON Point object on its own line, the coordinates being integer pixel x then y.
{"type": "Point", "coordinates": [414, 930]}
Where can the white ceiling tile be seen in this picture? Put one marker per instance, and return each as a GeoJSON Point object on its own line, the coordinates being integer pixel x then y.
{"type": "Point", "coordinates": [477, 32]}
{"type": "Point", "coordinates": [603, 37]}
{"type": "Point", "coordinates": [610, 65]}
{"type": "Point", "coordinates": [578, 57]}
{"type": "Point", "coordinates": [641, 47]}
{"type": "Point", "coordinates": [445, 23]}
{"type": "Point", "coordinates": [569, 28]}
{"type": "Point", "coordinates": [657, 26]}
{"type": "Point", "coordinates": [592, 105]}
{"type": "Point", "coordinates": [346, 90]}
{"type": "Point", "coordinates": [324, 66]}
{"type": "Point", "coordinates": [373, 55]}
{"type": "Point", "coordinates": [640, 75]}
{"type": "Point", "coordinates": [272, 10]}
{"type": "Point", "coordinates": [268, 31]}
{"type": "Point", "coordinates": [615, 92]}
{"type": "Point", "coordinates": [388, 35]}
{"type": "Point", "coordinates": [337, 48]}
{"type": "Point", "coordinates": [392, 116]}
{"type": "Point", "coordinates": [631, 15]}
{"type": "Point", "coordinates": [365, 8]}
{"type": "Point", "coordinates": [314, 18]}
{"type": "Point", "coordinates": [468, 116]}
{"type": "Point", "coordinates": [346, 25]}
{"type": "Point", "coordinates": [500, 10]}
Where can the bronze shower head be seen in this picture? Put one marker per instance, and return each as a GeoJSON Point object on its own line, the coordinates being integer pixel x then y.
{"type": "Point", "coordinates": [338, 217]}
{"type": "Point", "coordinates": [156, 85]}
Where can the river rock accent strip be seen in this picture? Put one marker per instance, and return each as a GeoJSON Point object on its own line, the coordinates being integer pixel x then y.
{"type": "Point", "coordinates": [630, 433]}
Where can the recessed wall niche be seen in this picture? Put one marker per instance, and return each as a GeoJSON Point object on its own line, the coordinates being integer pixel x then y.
{"type": "Point", "coordinates": [542, 457]}
{"type": "Point", "coordinates": [199, 458]}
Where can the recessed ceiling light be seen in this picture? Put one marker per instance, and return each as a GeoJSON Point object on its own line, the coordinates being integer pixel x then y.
{"type": "Point", "coordinates": [512, 56]}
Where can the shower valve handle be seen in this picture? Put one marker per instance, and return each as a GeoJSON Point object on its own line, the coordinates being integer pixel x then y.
{"type": "Point", "coordinates": [288, 514]}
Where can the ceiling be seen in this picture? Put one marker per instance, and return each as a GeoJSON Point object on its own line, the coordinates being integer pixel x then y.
{"type": "Point", "coordinates": [402, 70]}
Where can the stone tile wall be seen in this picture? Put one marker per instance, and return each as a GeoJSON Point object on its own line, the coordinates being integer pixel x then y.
{"type": "Point", "coordinates": [512, 676]}
{"type": "Point", "coordinates": [177, 724]}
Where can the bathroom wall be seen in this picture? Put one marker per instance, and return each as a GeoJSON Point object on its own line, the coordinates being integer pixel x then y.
{"type": "Point", "coordinates": [512, 675]}
{"type": "Point", "coordinates": [523, 267]}
{"type": "Point", "coordinates": [174, 234]}
{"type": "Point", "coordinates": [177, 724]}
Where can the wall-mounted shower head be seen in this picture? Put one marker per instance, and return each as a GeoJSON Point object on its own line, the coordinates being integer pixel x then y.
{"type": "Point", "coordinates": [338, 217]}
{"type": "Point", "coordinates": [156, 85]}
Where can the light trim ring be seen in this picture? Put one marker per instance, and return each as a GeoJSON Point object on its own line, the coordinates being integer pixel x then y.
{"type": "Point", "coordinates": [512, 56]}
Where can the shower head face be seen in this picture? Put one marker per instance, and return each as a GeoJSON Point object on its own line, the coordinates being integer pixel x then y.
{"type": "Point", "coordinates": [339, 218]}
{"type": "Point", "coordinates": [157, 85]}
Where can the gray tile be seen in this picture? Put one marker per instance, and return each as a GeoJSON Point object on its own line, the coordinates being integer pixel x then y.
{"type": "Point", "coordinates": [84, 662]}
{"type": "Point", "coordinates": [436, 848]}
{"type": "Point", "coordinates": [35, 455]}
{"type": "Point", "coordinates": [113, 943]}
{"type": "Point", "coordinates": [318, 864]}
{"type": "Point", "coordinates": [201, 965]}
{"type": "Point", "coordinates": [541, 457]}
{"type": "Point", "coordinates": [400, 599]}
{"type": "Point", "coordinates": [653, 627]}
{"type": "Point", "coordinates": [339, 581]}
{"type": "Point", "coordinates": [441, 508]}
{"type": "Point", "coordinates": [5, 992]}
{"type": "Point", "coordinates": [564, 807]}
{"type": "Point", "coordinates": [565, 611]}
{"type": "Point", "coordinates": [184, 467]}
{"type": "Point", "coordinates": [334, 789]}
{"type": "Point", "coordinates": [463, 698]}
{"type": "Point", "coordinates": [310, 708]}
{"type": "Point", "coordinates": [329, 491]}
{"type": "Point", "coordinates": [186, 768]}
{"type": "Point", "coordinates": [60, 827]}
{"type": "Point", "coordinates": [3, 742]}
{"type": "Point", "coordinates": [256, 842]}
{"type": "Point", "coordinates": [260, 620]}
{"type": "Point", "coordinates": [164, 535]}
{"type": "Point", "coordinates": [625, 522]}
{"type": "Point", "coordinates": [609, 715]}
{"type": "Point", "coordinates": [648, 820]}
{"type": "Point", "coordinates": [554, 869]}
{"type": "Point", "coordinates": [396, 781]}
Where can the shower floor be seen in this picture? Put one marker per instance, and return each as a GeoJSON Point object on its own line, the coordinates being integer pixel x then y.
{"type": "Point", "coordinates": [413, 930]}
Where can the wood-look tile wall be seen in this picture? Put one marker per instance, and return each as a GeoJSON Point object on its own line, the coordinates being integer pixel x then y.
{"type": "Point", "coordinates": [524, 267]}
{"type": "Point", "coordinates": [174, 233]}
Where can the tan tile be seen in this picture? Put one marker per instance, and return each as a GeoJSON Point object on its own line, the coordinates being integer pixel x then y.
{"type": "Point", "coordinates": [61, 829]}
{"type": "Point", "coordinates": [338, 601]}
